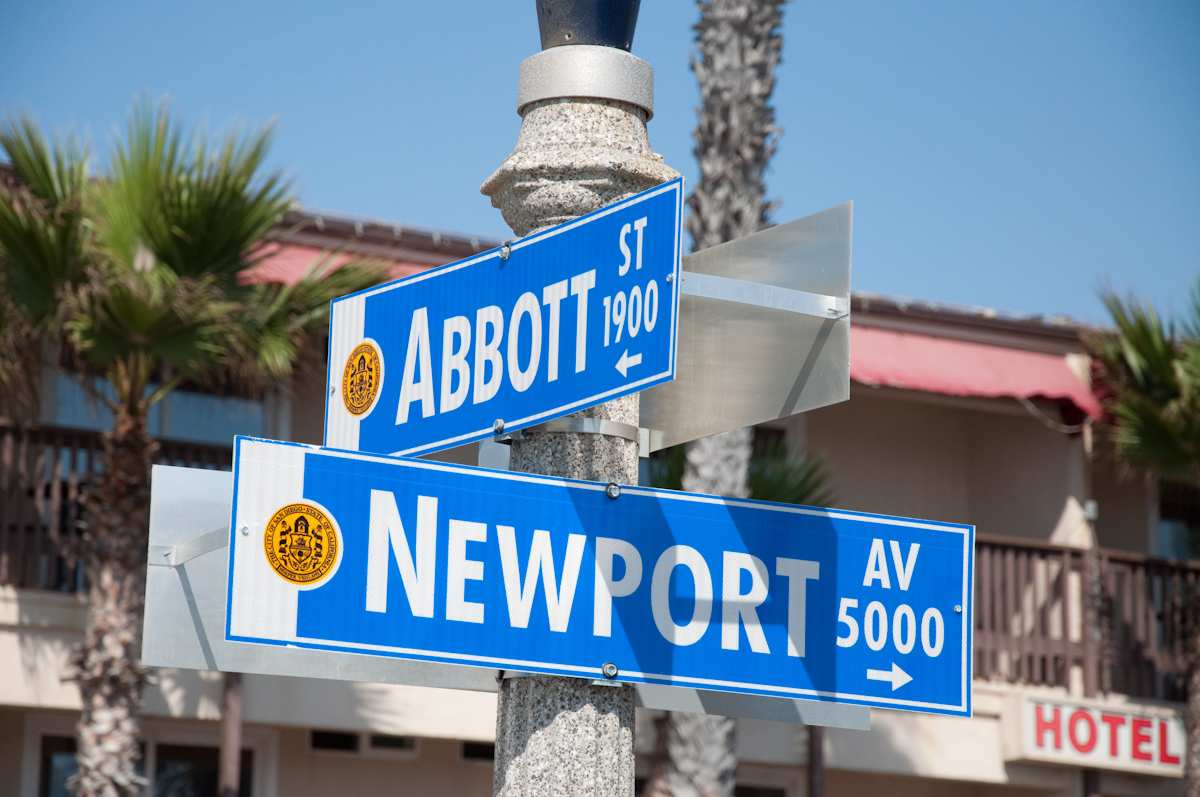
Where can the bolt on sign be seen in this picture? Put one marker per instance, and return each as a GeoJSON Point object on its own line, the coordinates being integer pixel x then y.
{"type": "Point", "coordinates": [1129, 737]}
{"type": "Point", "coordinates": [348, 552]}
{"type": "Point", "coordinates": [545, 325]}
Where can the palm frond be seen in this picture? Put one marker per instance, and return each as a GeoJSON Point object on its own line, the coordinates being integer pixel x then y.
{"type": "Point", "coordinates": [276, 321]}
{"type": "Point", "coordinates": [153, 318]}
{"type": "Point", "coordinates": [199, 209]}
{"type": "Point", "coordinates": [777, 475]}
{"type": "Point", "coordinates": [1191, 324]}
{"type": "Point", "coordinates": [1150, 375]}
{"type": "Point", "coordinates": [42, 230]}
{"type": "Point", "coordinates": [665, 468]}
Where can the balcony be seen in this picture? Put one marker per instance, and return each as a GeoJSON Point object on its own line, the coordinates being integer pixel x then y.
{"type": "Point", "coordinates": [1091, 621]}
{"type": "Point", "coordinates": [43, 473]}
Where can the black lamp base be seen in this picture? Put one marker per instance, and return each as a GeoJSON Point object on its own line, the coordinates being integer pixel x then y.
{"type": "Point", "coordinates": [608, 23]}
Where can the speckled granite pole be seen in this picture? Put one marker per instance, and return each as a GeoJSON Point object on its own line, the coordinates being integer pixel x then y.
{"type": "Point", "coordinates": [564, 736]}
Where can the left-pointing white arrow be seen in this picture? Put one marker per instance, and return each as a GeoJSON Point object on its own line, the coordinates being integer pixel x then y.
{"type": "Point", "coordinates": [627, 361]}
{"type": "Point", "coordinates": [896, 676]}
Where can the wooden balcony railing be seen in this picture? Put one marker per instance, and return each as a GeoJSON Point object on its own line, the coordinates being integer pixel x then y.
{"type": "Point", "coordinates": [43, 472]}
{"type": "Point", "coordinates": [1090, 620]}
{"type": "Point", "coordinates": [1093, 621]}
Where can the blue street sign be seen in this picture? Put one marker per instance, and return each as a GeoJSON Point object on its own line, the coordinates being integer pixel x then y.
{"type": "Point", "coordinates": [341, 551]}
{"type": "Point", "coordinates": [552, 323]}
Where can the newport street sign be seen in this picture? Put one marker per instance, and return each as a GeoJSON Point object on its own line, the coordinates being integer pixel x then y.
{"type": "Point", "coordinates": [551, 323]}
{"type": "Point", "coordinates": [345, 552]}
{"type": "Point", "coordinates": [187, 580]}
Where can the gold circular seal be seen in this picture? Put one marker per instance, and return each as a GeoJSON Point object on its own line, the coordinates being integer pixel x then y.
{"type": "Point", "coordinates": [361, 377]}
{"type": "Point", "coordinates": [301, 544]}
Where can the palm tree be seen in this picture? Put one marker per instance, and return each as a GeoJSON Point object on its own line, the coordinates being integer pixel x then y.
{"type": "Point", "coordinates": [739, 44]}
{"type": "Point", "coordinates": [140, 281]}
{"type": "Point", "coordinates": [694, 753]}
{"type": "Point", "coordinates": [1149, 375]}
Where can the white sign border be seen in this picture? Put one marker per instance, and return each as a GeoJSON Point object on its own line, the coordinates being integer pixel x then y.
{"type": "Point", "coordinates": [967, 532]}
{"type": "Point", "coordinates": [513, 424]}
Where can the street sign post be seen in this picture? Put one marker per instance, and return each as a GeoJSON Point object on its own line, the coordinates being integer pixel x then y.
{"type": "Point", "coordinates": [551, 323]}
{"type": "Point", "coordinates": [353, 553]}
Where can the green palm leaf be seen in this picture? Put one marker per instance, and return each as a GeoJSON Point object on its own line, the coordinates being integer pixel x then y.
{"type": "Point", "coordinates": [42, 228]}
{"type": "Point", "coordinates": [199, 210]}
{"type": "Point", "coordinates": [1149, 371]}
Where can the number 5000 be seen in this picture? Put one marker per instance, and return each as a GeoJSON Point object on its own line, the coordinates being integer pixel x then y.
{"type": "Point", "coordinates": [903, 624]}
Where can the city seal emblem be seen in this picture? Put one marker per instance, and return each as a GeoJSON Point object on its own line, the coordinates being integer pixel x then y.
{"type": "Point", "coordinates": [302, 544]}
{"type": "Point", "coordinates": [362, 376]}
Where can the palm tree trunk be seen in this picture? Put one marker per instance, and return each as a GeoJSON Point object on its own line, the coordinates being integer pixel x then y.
{"type": "Point", "coordinates": [695, 753]}
{"type": "Point", "coordinates": [739, 45]}
{"type": "Point", "coordinates": [107, 664]}
{"type": "Point", "coordinates": [697, 757]}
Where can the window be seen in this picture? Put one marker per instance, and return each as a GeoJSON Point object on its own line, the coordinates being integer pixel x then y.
{"type": "Point", "coordinates": [370, 745]}
{"type": "Point", "coordinates": [738, 791]}
{"type": "Point", "coordinates": [387, 743]}
{"type": "Point", "coordinates": [758, 791]}
{"type": "Point", "coordinates": [478, 751]}
{"type": "Point", "coordinates": [1178, 533]}
{"type": "Point", "coordinates": [333, 741]}
{"type": "Point", "coordinates": [192, 771]}
{"type": "Point", "coordinates": [57, 766]}
{"type": "Point", "coordinates": [179, 770]}
{"type": "Point", "coordinates": [184, 415]}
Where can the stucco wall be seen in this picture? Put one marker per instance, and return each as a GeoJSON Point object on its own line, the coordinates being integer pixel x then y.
{"type": "Point", "coordinates": [1002, 470]}
{"type": "Point", "coordinates": [1127, 508]}
{"type": "Point", "coordinates": [437, 768]}
{"type": "Point", "coordinates": [1026, 480]}
{"type": "Point", "coordinates": [897, 457]}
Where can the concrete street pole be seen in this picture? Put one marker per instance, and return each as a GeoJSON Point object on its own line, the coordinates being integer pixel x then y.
{"type": "Point", "coordinates": [582, 145]}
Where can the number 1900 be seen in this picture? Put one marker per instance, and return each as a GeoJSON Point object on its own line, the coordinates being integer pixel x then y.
{"type": "Point", "coordinates": [632, 312]}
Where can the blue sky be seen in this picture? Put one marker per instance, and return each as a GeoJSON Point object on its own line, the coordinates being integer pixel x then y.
{"type": "Point", "coordinates": [1018, 155]}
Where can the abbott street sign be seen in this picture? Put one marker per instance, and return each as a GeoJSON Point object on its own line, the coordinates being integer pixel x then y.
{"type": "Point", "coordinates": [551, 323]}
{"type": "Point", "coordinates": [340, 551]}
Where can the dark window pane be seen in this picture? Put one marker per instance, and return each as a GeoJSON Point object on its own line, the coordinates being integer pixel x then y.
{"type": "Point", "coordinates": [191, 771]}
{"type": "Point", "coordinates": [334, 740]}
{"type": "Point", "coordinates": [385, 741]}
{"type": "Point", "coordinates": [478, 751]}
{"type": "Point", "coordinates": [768, 441]}
{"type": "Point", "coordinates": [758, 791]}
{"type": "Point", "coordinates": [57, 765]}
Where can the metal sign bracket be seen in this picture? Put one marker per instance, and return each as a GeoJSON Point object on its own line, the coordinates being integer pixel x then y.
{"type": "Point", "coordinates": [185, 551]}
{"type": "Point", "coordinates": [759, 294]}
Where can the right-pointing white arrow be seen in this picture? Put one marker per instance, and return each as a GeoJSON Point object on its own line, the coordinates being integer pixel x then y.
{"type": "Point", "coordinates": [896, 676]}
{"type": "Point", "coordinates": [627, 361]}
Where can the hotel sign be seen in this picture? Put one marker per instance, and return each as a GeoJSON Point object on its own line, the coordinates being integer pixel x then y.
{"type": "Point", "coordinates": [1129, 737]}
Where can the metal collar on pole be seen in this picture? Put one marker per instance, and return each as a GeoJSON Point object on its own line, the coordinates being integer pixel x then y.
{"type": "Point", "coordinates": [586, 71]}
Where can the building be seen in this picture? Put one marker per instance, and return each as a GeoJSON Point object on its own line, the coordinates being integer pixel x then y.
{"type": "Point", "coordinates": [955, 414]}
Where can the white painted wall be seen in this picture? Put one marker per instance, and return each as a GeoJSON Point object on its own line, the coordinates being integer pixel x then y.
{"type": "Point", "coordinates": [1128, 505]}
{"type": "Point", "coordinates": [984, 462]}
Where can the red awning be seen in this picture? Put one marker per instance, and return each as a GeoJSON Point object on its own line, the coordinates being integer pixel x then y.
{"type": "Point", "coordinates": [910, 361]}
{"type": "Point", "coordinates": [287, 263]}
